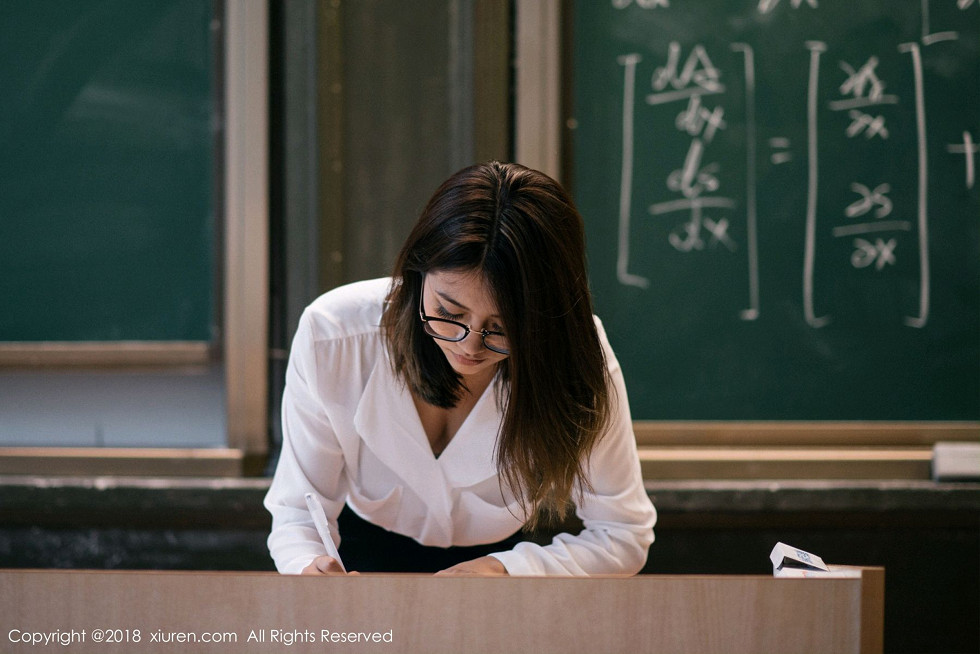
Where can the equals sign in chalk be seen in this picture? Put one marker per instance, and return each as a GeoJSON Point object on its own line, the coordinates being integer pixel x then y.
{"type": "Point", "coordinates": [782, 154]}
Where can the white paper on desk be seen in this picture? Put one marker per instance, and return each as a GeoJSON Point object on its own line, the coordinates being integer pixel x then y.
{"type": "Point", "coordinates": [787, 557]}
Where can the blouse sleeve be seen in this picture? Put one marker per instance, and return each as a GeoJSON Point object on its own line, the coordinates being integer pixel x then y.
{"type": "Point", "coordinates": [311, 461]}
{"type": "Point", "coordinates": [617, 515]}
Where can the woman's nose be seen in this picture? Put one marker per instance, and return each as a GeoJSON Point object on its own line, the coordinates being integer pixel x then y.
{"type": "Point", "coordinates": [472, 342]}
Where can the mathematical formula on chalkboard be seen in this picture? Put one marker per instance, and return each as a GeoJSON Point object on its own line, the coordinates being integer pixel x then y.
{"type": "Point", "coordinates": [781, 204]}
{"type": "Point", "coordinates": [869, 122]}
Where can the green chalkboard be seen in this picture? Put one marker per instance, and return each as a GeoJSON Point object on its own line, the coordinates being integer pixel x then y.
{"type": "Point", "coordinates": [781, 204]}
{"type": "Point", "coordinates": [107, 130]}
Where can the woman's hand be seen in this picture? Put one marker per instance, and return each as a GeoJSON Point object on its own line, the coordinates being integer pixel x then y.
{"type": "Point", "coordinates": [325, 566]}
{"type": "Point", "coordinates": [483, 566]}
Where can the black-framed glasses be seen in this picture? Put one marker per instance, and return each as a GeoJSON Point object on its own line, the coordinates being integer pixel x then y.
{"type": "Point", "coordinates": [450, 330]}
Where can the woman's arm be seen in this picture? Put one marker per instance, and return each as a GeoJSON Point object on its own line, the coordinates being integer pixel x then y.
{"type": "Point", "coordinates": [311, 461]}
{"type": "Point", "coordinates": [485, 566]}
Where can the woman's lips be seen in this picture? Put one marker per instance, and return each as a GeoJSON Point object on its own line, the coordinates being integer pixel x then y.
{"type": "Point", "coordinates": [466, 361]}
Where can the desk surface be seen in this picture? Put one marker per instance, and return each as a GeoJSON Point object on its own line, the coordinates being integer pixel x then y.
{"type": "Point", "coordinates": [260, 612]}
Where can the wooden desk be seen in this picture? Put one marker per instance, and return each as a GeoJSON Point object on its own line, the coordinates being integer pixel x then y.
{"type": "Point", "coordinates": [261, 612]}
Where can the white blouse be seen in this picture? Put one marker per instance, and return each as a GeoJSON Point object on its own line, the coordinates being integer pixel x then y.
{"type": "Point", "coordinates": [351, 433]}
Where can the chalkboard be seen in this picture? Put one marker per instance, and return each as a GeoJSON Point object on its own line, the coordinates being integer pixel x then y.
{"type": "Point", "coordinates": [107, 129]}
{"type": "Point", "coordinates": [781, 204]}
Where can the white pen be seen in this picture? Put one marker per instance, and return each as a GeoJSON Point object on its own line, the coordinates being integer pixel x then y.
{"type": "Point", "coordinates": [323, 528]}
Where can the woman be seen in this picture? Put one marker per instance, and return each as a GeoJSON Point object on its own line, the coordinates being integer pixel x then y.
{"type": "Point", "coordinates": [471, 395]}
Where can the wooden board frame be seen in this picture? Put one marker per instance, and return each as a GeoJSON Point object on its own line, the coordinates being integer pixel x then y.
{"type": "Point", "coordinates": [122, 461]}
{"type": "Point", "coordinates": [105, 355]}
{"type": "Point", "coordinates": [793, 450]}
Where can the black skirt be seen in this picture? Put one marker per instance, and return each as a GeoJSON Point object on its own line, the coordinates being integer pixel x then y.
{"type": "Point", "coordinates": [365, 547]}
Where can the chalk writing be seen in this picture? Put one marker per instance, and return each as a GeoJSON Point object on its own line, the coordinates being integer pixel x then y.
{"type": "Point", "coordinates": [782, 204]}
{"type": "Point", "coordinates": [863, 88]}
{"type": "Point", "coordinates": [698, 120]}
{"type": "Point", "coordinates": [781, 153]}
{"type": "Point", "coordinates": [643, 4]}
{"type": "Point", "coordinates": [816, 48]}
{"type": "Point", "coordinates": [922, 208]}
{"type": "Point", "coordinates": [870, 126]}
{"type": "Point", "coordinates": [870, 198]}
{"type": "Point", "coordinates": [863, 85]}
{"type": "Point", "coordinates": [751, 214]}
{"type": "Point", "coordinates": [697, 71]}
{"type": "Point", "coordinates": [765, 6]}
{"type": "Point", "coordinates": [880, 254]}
{"type": "Point", "coordinates": [689, 75]}
{"type": "Point", "coordinates": [850, 100]}
{"type": "Point", "coordinates": [628, 62]}
{"type": "Point", "coordinates": [696, 178]}
{"type": "Point", "coordinates": [968, 149]}
{"type": "Point", "coordinates": [929, 37]}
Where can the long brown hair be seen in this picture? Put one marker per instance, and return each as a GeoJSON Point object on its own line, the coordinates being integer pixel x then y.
{"type": "Point", "coordinates": [521, 231]}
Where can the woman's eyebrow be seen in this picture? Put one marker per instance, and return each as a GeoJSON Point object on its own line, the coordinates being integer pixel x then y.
{"type": "Point", "coordinates": [450, 300]}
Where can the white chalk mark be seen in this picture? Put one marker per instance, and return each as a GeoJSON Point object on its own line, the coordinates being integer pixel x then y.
{"type": "Point", "coordinates": [687, 236]}
{"type": "Point", "coordinates": [719, 233]}
{"type": "Point", "coordinates": [686, 204]}
{"type": "Point", "coordinates": [692, 231]}
{"type": "Point", "coordinates": [860, 103]}
{"type": "Point", "coordinates": [626, 175]}
{"type": "Point", "coordinates": [862, 122]}
{"type": "Point", "coordinates": [780, 157]}
{"type": "Point", "coordinates": [868, 228]}
{"type": "Point", "coordinates": [809, 253]}
{"type": "Point", "coordinates": [863, 82]}
{"type": "Point", "coordinates": [939, 37]}
{"type": "Point", "coordinates": [870, 198]}
{"type": "Point", "coordinates": [683, 94]}
{"type": "Point", "coordinates": [751, 217]}
{"type": "Point", "coordinates": [968, 149]}
{"type": "Point", "coordinates": [929, 39]}
{"type": "Point", "coordinates": [697, 69]}
{"type": "Point", "coordinates": [643, 4]}
{"type": "Point", "coordinates": [923, 204]}
{"type": "Point", "coordinates": [683, 180]}
{"type": "Point", "coordinates": [765, 6]}
{"type": "Point", "coordinates": [880, 253]}
{"type": "Point", "coordinates": [698, 120]}
{"type": "Point", "coordinates": [692, 180]}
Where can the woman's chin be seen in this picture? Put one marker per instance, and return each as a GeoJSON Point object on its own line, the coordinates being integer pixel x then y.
{"type": "Point", "coordinates": [470, 366]}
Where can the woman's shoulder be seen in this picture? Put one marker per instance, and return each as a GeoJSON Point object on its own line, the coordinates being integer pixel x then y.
{"type": "Point", "coordinates": [601, 331]}
{"type": "Point", "coordinates": [348, 310]}
{"type": "Point", "coordinates": [612, 363]}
